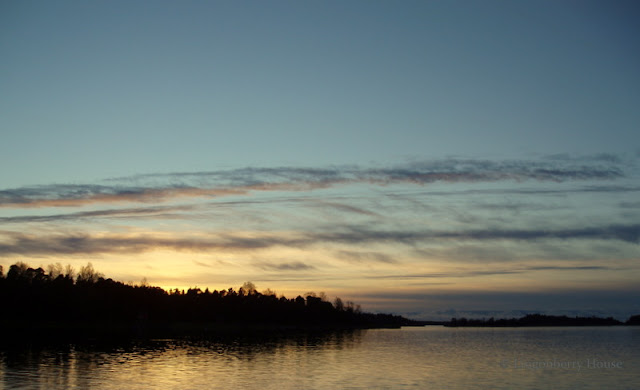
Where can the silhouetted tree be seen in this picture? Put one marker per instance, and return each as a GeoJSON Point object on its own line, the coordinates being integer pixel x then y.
{"type": "Point", "coordinates": [350, 307]}
{"type": "Point", "coordinates": [87, 275]}
{"type": "Point", "coordinates": [249, 288]}
{"type": "Point", "coordinates": [17, 271]}
{"type": "Point", "coordinates": [55, 270]}
{"type": "Point", "coordinates": [33, 296]}
{"type": "Point", "coordinates": [69, 272]}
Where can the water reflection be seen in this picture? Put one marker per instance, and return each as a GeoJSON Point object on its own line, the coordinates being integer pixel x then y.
{"type": "Point", "coordinates": [435, 357]}
{"type": "Point", "coordinates": [176, 363]}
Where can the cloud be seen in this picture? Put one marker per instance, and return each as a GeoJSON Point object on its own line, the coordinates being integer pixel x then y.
{"type": "Point", "coordinates": [533, 191]}
{"type": "Point", "coordinates": [163, 186]}
{"type": "Point", "coordinates": [138, 212]}
{"type": "Point", "coordinates": [202, 264]}
{"type": "Point", "coordinates": [65, 195]}
{"type": "Point", "coordinates": [76, 244]}
{"type": "Point", "coordinates": [479, 252]}
{"type": "Point", "coordinates": [364, 257]}
{"type": "Point", "coordinates": [629, 205]}
{"type": "Point", "coordinates": [475, 273]}
{"type": "Point", "coordinates": [345, 208]}
{"type": "Point", "coordinates": [52, 244]}
{"type": "Point", "coordinates": [82, 244]}
{"type": "Point", "coordinates": [358, 235]}
{"type": "Point", "coordinates": [290, 266]}
{"type": "Point", "coordinates": [605, 157]}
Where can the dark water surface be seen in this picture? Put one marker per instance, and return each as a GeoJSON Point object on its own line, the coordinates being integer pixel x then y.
{"type": "Point", "coordinates": [408, 358]}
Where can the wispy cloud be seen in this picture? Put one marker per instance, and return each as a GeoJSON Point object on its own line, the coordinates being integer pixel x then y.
{"type": "Point", "coordinates": [502, 271]}
{"type": "Point", "coordinates": [56, 195]}
{"type": "Point", "coordinates": [536, 191]}
{"type": "Point", "coordinates": [290, 266]}
{"type": "Point", "coordinates": [629, 205]}
{"type": "Point", "coordinates": [346, 208]}
{"type": "Point", "coordinates": [138, 212]}
{"type": "Point", "coordinates": [30, 244]}
{"type": "Point", "coordinates": [163, 186]}
{"type": "Point", "coordinates": [364, 257]}
{"type": "Point", "coordinates": [357, 235]}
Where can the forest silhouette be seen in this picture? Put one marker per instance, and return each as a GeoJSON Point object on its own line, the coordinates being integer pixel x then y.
{"type": "Point", "coordinates": [58, 300]}
{"type": "Point", "coordinates": [530, 320]}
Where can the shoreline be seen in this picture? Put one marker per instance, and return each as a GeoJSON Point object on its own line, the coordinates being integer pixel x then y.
{"type": "Point", "coordinates": [21, 332]}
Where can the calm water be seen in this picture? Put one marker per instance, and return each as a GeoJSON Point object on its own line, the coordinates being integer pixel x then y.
{"type": "Point", "coordinates": [420, 358]}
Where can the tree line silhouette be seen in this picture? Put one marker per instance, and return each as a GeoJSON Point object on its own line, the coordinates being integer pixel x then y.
{"type": "Point", "coordinates": [58, 297]}
{"type": "Point", "coordinates": [541, 320]}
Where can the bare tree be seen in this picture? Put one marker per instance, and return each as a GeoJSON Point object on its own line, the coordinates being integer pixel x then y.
{"type": "Point", "coordinates": [55, 270]}
{"type": "Point", "coordinates": [249, 288]}
{"type": "Point", "coordinates": [69, 272]}
{"type": "Point", "coordinates": [88, 275]}
{"type": "Point", "coordinates": [269, 292]}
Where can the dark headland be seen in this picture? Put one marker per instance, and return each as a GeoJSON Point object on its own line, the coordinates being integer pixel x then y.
{"type": "Point", "coordinates": [60, 303]}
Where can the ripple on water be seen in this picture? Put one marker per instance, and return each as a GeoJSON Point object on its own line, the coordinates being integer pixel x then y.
{"type": "Point", "coordinates": [432, 357]}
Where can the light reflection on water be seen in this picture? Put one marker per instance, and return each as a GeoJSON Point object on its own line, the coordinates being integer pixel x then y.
{"type": "Point", "coordinates": [431, 357]}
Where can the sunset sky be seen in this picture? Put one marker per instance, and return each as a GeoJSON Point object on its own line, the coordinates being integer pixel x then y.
{"type": "Point", "coordinates": [427, 158]}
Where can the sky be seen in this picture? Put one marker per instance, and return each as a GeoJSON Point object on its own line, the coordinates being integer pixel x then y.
{"type": "Point", "coordinates": [426, 158]}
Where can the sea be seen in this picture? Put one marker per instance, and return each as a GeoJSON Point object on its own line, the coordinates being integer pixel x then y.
{"type": "Point", "coordinates": [431, 357]}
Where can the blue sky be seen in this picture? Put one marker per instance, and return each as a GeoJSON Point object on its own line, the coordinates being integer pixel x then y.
{"type": "Point", "coordinates": [383, 151]}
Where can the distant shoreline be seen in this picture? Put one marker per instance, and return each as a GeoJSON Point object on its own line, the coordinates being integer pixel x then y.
{"type": "Point", "coordinates": [540, 320]}
{"type": "Point", "coordinates": [22, 333]}
{"type": "Point", "coordinates": [19, 331]}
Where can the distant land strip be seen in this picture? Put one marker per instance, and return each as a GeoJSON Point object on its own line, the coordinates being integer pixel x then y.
{"type": "Point", "coordinates": [539, 320]}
